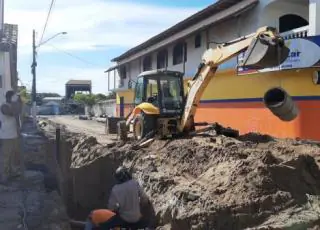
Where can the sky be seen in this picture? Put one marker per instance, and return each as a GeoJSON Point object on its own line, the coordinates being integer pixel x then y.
{"type": "Point", "coordinates": [97, 31]}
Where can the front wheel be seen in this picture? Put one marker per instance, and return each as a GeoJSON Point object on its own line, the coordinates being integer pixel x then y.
{"type": "Point", "coordinates": [143, 125]}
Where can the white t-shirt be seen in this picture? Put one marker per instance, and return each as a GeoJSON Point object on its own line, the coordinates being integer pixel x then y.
{"type": "Point", "coordinates": [8, 127]}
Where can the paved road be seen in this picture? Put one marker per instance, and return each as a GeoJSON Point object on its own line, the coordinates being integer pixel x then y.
{"type": "Point", "coordinates": [89, 127]}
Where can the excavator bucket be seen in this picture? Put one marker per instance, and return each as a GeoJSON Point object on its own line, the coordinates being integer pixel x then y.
{"type": "Point", "coordinates": [265, 52]}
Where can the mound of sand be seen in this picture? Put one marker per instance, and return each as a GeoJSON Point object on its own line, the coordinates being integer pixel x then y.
{"type": "Point", "coordinates": [224, 183]}
{"type": "Point", "coordinates": [216, 182]}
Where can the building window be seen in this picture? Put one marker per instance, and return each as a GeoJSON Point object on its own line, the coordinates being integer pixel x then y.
{"type": "Point", "coordinates": [162, 59]}
{"type": "Point", "coordinates": [147, 63]}
{"type": "Point", "coordinates": [179, 51]}
{"type": "Point", "coordinates": [291, 21]}
{"type": "Point", "coordinates": [123, 72]}
{"type": "Point", "coordinates": [197, 41]}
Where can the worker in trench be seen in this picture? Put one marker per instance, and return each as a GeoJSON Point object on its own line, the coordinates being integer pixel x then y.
{"type": "Point", "coordinates": [128, 206]}
{"type": "Point", "coordinates": [10, 124]}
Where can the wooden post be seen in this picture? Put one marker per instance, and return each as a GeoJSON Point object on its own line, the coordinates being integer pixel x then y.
{"type": "Point", "coordinates": [121, 107]}
{"type": "Point", "coordinates": [58, 135]}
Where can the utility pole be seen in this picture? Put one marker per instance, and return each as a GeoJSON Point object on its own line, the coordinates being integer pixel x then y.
{"type": "Point", "coordinates": [33, 71]}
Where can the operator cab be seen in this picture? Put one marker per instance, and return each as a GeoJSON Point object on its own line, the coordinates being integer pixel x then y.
{"type": "Point", "coordinates": [163, 89]}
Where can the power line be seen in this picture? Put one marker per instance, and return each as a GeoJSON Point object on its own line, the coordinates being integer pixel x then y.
{"type": "Point", "coordinates": [47, 20]}
{"type": "Point", "coordinates": [76, 57]}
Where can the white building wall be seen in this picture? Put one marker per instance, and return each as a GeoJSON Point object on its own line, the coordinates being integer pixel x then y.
{"type": "Point", "coordinates": [314, 17]}
{"type": "Point", "coordinates": [5, 76]}
{"type": "Point", "coordinates": [229, 30]}
{"type": "Point", "coordinates": [194, 54]}
{"type": "Point", "coordinates": [134, 70]}
{"type": "Point", "coordinates": [266, 13]}
{"type": "Point", "coordinates": [1, 14]}
{"type": "Point", "coordinates": [219, 33]}
{"type": "Point", "coordinates": [271, 10]}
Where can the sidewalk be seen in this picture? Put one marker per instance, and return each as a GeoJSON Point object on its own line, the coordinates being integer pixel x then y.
{"type": "Point", "coordinates": [28, 203]}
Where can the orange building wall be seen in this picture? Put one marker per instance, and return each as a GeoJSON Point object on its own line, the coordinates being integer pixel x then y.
{"type": "Point", "coordinates": [254, 117]}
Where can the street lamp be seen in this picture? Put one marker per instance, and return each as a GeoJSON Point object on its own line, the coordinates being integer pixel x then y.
{"type": "Point", "coordinates": [42, 43]}
{"type": "Point", "coordinates": [33, 71]}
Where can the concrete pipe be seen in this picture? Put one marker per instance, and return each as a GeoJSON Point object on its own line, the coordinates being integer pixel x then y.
{"type": "Point", "coordinates": [281, 104]}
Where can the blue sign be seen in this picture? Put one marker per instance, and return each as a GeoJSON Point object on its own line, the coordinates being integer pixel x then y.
{"type": "Point", "coordinates": [304, 53]}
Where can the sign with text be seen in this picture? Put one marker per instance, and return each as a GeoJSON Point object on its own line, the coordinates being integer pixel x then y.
{"type": "Point", "coordinates": [304, 53]}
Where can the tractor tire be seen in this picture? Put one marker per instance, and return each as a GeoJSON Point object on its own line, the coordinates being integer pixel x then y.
{"type": "Point", "coordinates": [122, 131]}
{"type": "Point", "coordinates": [143, 125]}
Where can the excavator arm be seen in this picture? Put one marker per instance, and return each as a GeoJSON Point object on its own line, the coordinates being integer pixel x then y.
{"type": "Point", "coordinates": [265, 49]}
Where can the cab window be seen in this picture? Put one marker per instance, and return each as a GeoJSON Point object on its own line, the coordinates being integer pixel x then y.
{"type": "Point", "coordinates": [139, 91]}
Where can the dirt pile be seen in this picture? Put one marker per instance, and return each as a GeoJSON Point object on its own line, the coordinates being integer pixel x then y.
{"type": "Point", "coordinates": [224, 183]}
{"type": "Point", "coordinates": [214, 182]}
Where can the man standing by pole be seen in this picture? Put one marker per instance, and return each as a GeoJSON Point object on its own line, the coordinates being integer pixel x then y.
{"type": "Point", "coordinates": [33, 71]}
{"type": "Point", "coordinates": [10, 127]}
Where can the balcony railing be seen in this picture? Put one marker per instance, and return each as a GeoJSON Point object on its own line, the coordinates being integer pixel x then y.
{"type": "Point", "coordinates": [301, 32]}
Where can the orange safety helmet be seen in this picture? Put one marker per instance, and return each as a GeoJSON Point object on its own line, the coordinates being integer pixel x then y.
{"type": "Point", "coordinates": [100, 216]}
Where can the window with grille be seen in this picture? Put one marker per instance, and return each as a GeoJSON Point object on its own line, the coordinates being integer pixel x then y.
{"type": "Point", "coordinates": [197, 41]}
{"type": "Point", "coordinates": [179, 53]}
{"type": "Point", "coordinates": [147, 63]}
{"type": "Point", "coordinates": [162, 59]}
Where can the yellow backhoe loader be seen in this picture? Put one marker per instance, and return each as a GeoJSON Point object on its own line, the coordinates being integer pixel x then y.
{"type": "Point", "coordinates": [161, 106]}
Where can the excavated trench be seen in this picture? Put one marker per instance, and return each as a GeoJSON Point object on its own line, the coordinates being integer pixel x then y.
{"type": "Point", "coordinates": [82, 188]}
{"type": "Point", "coordinates": [208, 182]}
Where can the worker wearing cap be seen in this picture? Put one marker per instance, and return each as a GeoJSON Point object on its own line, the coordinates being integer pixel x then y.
{"type": "Point", "coordinates": [10, 136]}
{"type": "Point", "coordinates": [126, 199]}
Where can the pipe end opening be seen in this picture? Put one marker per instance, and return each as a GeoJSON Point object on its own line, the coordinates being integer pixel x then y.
{"type": "Point", "coordinates": [274, 97]}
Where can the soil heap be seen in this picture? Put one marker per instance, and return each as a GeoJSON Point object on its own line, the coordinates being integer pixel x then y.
{"type": "Point", "coordinates": [217, 182]}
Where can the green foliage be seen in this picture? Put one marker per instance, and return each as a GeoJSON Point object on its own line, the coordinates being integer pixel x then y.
{"type": "Point", "coordinates": [25, 95]}
{"type": "Point", "coordinates": [101, 97]}
{"type": "Point", "coordinates": [87, 99]}
{"type": "Point", "coordinates": [112, 95]}
{"type": "Point", "coordinates": [91, 99]}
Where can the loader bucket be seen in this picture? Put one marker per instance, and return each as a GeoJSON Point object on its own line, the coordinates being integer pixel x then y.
{"type": "Point", "coordinates": [265, 54]}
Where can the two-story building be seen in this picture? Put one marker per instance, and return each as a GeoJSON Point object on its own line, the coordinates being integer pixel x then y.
{"type": "Point", "coordinates": [234, 96]}
{"type": "Point", "coordinates": [8, 55]}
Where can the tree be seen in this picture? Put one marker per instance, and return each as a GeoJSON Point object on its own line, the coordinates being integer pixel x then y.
{"type": "Point", "coordinates": [111, 95]}
{"type": "Point", "coordinates": [25, 95]}
{"type": "Point", "coordinates": [87, 99]}
{"type": "Point", "coordinates": [101, 97]}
